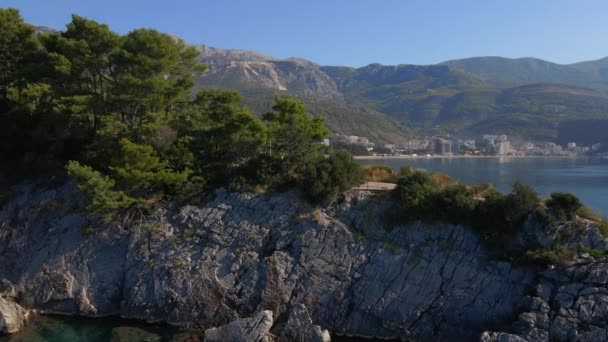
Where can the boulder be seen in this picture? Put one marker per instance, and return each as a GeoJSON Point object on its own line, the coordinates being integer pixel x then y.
{"type": "Point", "coordinates": [253, 329]}
{"type": "Point", "coordinates": [12, 316]}
{"type": "Point", "coordinates": [300, 328]}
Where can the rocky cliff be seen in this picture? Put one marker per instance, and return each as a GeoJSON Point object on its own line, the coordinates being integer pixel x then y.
{"type": "Point", "coordinates": [271, 262]}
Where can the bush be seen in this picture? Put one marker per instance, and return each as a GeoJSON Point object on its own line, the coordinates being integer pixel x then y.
{"type": "Point", "coordinates": [520, 203]}
{"type": "Point", "coordinates": [379, 173]}
{"type": "Point", "coordinates": [441, 180]}
{"type": "Point", "coordinates": [588, 214]}
{"type": "Point", "coordinates": [455, 202]}
{"type": "Point", "coordinates": [331, 176]}
{"type": "Point", "coordinates": [564, 205]}
{"type": "Point", "coordinates": [496, 217]}
{"type": "Point", "coordinates": [414, 194]}
{"type": "Point", "coordinates": [556, 254]}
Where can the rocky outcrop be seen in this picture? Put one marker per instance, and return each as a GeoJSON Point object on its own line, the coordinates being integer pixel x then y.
{"type": "Point", "coordinates": [254, 329]}
{"type": "Point", "coordinates": [12, 316]}
{"type": "Point", "coordinates": [241, 255]}
{"type": "Point", "coordinates": [242, 68]}
{"type": "Point", "coordinates": [300, 328]}
{"type": "Point", "coordinates": [567, 304]}
{"type": "Point", "coordinates": [580, 232]}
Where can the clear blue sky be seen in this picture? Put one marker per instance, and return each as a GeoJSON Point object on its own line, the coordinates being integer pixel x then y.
{"type": "Point", "coordinates": [358, 32]}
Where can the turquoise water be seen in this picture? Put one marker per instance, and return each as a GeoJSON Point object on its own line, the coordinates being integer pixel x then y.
{"type": "Point", "coordinates": [586, 178]}
{"type": "Point", "coordinates": [63, 329]}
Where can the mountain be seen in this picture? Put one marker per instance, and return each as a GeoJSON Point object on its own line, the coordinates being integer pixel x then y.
{"type": "Point", "coordinates": [507, 72]}
{"type": "Point", "coordinates": [242, 69]}
{"type": "Point", "coordinates": [527, 97]}
{"type": "Point", "coordinates": [260, 78]}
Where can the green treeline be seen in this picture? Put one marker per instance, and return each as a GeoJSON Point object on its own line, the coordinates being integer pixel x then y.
{"type": "Point", "coordinates": [119, 113]}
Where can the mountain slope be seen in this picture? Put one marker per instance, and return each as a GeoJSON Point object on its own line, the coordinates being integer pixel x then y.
{"type": "Point", "coordinates": [508, 72]}
{"type": "Point", "coordinates": [529, 97]}
{"type": "Point", "coordinates": [260, 78]}
{"type": "Point", "coordinates": [531, 111]}
{"type": "Point", "coordinates": [526, 97]}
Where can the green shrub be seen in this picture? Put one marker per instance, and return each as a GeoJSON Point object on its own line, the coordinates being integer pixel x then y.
{"type": "Point", "coordinates": [495, 217]}
{"type": "Point", "coordinates": [556, 254]}
{"type": "Point", "coordinates": [588, 214]}
{"type": "Point", "coordinates": [331, 176]}
{"type": "Point", "coordinates": [414, 194]}
{"type": "Point", "coordinates": [441, 180]}
{"type": "Point", "coordinates": [564, 205]}
{"type": "Point", "coordinates": [455, 203]}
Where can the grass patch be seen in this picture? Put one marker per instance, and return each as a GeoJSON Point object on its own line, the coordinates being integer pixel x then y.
{"type": "Point", "coordinates": [379, 173]}
{"type": "Point", "coordinates": [600, 221]}
{"type": "Point", "coordinates": [596, 253]}
{"type": "Point", "coordinates": [556, 254]}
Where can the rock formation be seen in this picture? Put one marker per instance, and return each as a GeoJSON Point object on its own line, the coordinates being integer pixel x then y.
{"type": "Point", "coordinates": [246, 258]}
{"type": "Point", "coordinates": [254, 329]}
{"type": "Point", "coordinates": [12, 316]}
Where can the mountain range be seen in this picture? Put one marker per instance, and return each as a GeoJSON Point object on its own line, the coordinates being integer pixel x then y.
{"type": "Point", "coordinates": [530, 98]}
{"type": "Point", "coordinates": [526, 97]}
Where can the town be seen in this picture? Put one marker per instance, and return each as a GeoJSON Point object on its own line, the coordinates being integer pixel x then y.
{"type": "Point", "coordinates": [486, 145]}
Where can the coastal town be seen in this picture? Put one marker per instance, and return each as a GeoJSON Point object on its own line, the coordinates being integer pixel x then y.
{"type": "Point", "coordinates": [486, 145]}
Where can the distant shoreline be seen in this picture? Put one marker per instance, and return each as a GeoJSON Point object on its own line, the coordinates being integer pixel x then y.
{"type": "Point", "coordinates": [452, 157]}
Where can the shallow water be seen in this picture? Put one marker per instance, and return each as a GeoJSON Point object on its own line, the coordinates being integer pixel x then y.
{"type": "Point", "coordinates": [109, 329]}
{"type": "Point", "coordinates": [65, 329]}
{"type": "Point", "coordinates": [585, 177]}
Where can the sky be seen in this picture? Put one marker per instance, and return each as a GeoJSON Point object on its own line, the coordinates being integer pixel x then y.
{"type": "Point", "coordinates": [357, 32]}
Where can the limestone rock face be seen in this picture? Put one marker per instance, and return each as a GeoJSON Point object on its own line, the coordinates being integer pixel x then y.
{"type": "Point", "coordinates": [567, 304]}
{"type": "Point", "coordinates": [300, 328]}
{"type": "Point", "coordinates": [254, 329]}
{"type": "Point", "coordinates": [241, 257]}
{"type": "Point", "coordinates": [12, 316]}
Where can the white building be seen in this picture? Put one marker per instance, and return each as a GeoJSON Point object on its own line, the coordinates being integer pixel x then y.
{"type": "Point", "coordinates": [503, 148]}
{"type": "Point", "coordinates": [550, 148]}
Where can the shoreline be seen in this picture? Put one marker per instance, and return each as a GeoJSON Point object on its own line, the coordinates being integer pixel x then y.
{"type": "Point", "coordinates": [406, 156]}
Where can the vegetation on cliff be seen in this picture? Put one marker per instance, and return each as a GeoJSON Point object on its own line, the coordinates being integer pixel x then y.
{"type": "Point", "coordinates": [497, 218]}
{"type": "Point", "coordinates": [119, 112]}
